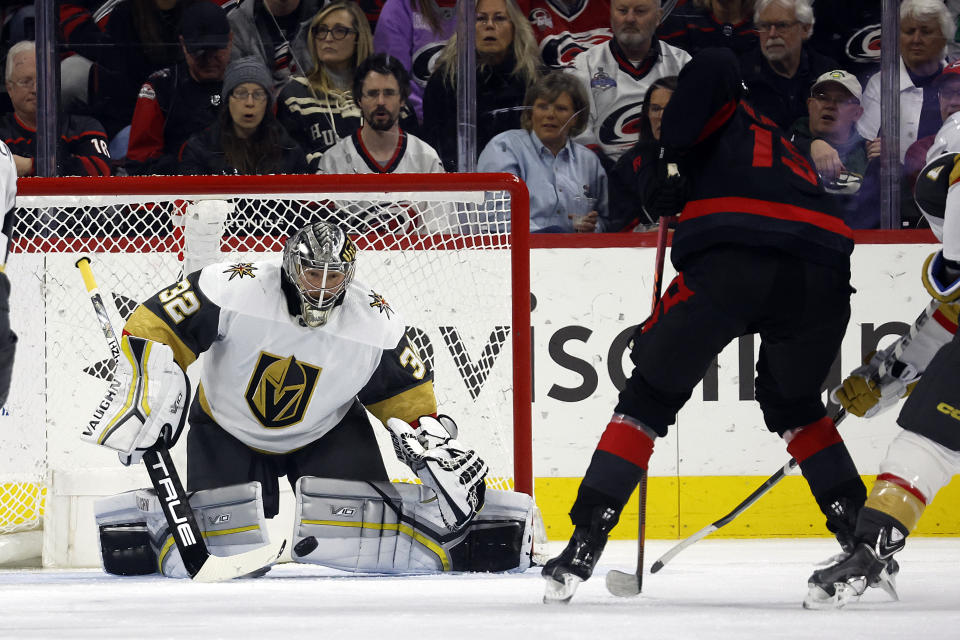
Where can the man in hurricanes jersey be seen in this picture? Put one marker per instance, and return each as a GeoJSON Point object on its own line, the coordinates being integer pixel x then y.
{"type": "Point", "coordinates": [297, 352]}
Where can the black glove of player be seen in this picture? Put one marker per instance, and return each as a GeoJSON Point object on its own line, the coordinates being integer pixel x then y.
{"type": "Point", "coordinates": [667, 197]}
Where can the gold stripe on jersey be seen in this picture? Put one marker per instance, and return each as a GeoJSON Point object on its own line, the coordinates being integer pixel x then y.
{"type": "Point", "coordinates": [399, 528]}
{"type": "Point", "coordinates": [951, 311]}
{"type": "Point", "coordinates": [144, 323]}
{"type": "Point", "coordinates": [407, 405]}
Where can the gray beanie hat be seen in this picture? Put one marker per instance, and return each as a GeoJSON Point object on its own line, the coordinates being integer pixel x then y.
{"type": "Point", "coordinates": [249, 69]}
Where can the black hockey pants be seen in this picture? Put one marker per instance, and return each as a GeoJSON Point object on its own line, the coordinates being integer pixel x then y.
{"type": "Point", "coordinates": [217, 459]}
{"type": "Point", "coordinates": [799, 309]}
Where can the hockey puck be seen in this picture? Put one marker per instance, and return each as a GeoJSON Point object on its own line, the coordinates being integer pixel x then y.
{"type": "Point", "coordinates": [305, 546]}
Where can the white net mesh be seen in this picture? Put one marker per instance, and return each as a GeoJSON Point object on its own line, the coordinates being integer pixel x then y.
{"type": "Point", "coordinates": [441, 258]}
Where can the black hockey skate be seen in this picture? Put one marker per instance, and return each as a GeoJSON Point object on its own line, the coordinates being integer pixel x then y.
{"type": "Point", "coordinates": [846, 579]}
{"type": "Point", "coordinates": [576, 562]}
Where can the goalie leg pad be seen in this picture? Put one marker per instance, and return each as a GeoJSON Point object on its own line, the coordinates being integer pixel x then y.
{"type": "Point", "coordinates": [368, 527]}
{"type": "Point", "coordinates": [230, 518]}
{"type": "Point", "coordinates": [383, 527]}
{"type": "Point", "coordinates": [500, 538]}
{"type": "Point", "coordinates": [125, 548]}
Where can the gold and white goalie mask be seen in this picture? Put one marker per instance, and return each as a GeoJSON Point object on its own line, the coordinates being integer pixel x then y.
{"type": "Point", "coordinates": [319, 262]}
{"type": "Point", "coordinates": [146, 401]}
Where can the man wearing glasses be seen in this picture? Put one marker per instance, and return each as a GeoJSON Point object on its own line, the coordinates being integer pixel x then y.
{"type": "Point", "coordinates": [779, 72]}
{"type": "Point", "coordinates": [82, 145]}
{"type": "Point", "coordinates": [829, 135]}
{"type": "Point", "coordinates": [380, 88]}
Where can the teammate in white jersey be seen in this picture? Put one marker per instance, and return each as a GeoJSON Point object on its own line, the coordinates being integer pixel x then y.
{"type": "Point", "coordinates": [381, 86]}
{"type": "Point", "coordinates": [296, 353]}
{"type": "Point", "coordinates": [8, 339]}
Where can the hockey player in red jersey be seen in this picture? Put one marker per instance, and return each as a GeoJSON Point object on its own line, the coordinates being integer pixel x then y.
{"type": "Point", "coordinates": [758, 249]}
{"type": "Point", "coordinates": [921, 364]}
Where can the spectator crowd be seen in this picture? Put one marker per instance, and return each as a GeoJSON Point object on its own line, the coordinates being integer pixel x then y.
{"type": "Point", "coordinates": [569, 93]}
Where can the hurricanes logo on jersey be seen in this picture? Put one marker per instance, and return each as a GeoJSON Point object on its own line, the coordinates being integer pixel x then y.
{"type": "Point", "coordinates": [280, 390]}
{"type": "Point", "coordinates": [379, 302]}
{"type": "Point", "coordinates": [241, 269]}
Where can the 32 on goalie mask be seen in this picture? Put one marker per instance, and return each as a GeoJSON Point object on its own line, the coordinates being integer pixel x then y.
{"type": "Point", "coordinates": [318, 265]}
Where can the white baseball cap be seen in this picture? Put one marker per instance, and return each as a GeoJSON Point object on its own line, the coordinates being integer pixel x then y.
{"type": "Point", "coordinates": [846, 80]}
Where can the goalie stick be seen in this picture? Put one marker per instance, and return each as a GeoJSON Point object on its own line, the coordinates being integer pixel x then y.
{"type": "Point", "coordinates": [197, 560]}
{"type": "Point", "coordinates": [758, 493]}
{"type": "Point", "coordinates": [622, 583]}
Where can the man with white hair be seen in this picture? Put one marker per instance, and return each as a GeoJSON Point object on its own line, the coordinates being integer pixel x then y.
{"type": "Point", "coordinates": [82, 144]}
{"type": "Point", "coordinates": [779, 72]}
{"type": "Point", "coordinates": [618, 73]}
{"type": "Point", "coordinates": [925, 29]}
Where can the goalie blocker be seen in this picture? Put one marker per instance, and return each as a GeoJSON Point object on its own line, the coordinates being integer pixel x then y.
{"type": "Point", "coordinates": [363, 527]}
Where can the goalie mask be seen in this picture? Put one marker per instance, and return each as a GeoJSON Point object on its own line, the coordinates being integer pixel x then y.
{"type": "Point", "coordinates": [318, 265]}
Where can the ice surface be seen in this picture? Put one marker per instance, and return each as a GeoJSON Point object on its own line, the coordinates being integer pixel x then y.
{"type": "Point", "coordinates": [717, 589]}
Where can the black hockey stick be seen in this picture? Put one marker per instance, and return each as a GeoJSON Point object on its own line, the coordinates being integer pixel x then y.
{"type": "Point", "coordinates": [622, 583]}
{"type": "Point", "coordinates": [758, 493]}
{"type": "Point", "coordinates": [197, 560]}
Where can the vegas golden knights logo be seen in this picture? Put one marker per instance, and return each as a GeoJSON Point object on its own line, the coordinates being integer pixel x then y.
{"type": "Point", "coordinates": [280, 389]}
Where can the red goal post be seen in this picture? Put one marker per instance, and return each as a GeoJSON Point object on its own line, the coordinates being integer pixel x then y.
{"type": "Point", "coordinates": [454, 247]}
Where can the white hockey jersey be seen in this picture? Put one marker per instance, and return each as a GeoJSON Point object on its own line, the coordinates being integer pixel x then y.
{"type": "Point", "coordinates": [412, 155]}
{"type": "Point", "coordinates": [268, 381]}
{"type": "Point", "coordinates": [616, 88]}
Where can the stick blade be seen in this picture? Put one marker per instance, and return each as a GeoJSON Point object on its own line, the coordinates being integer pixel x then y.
{"type": "Point", "coordinates": [219, 569]}
{"type": "Point", "coordinates": [623, 584]}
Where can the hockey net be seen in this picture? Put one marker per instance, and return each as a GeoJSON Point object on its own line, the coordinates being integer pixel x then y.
{"type": "Point", "coordinates": [440, 249]}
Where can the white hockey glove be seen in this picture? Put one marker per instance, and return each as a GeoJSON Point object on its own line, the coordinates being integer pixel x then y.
{"type": "Point", "coordinates": [456, 474]}
{"type": "Point", "coordinates": [146, 401]}
{"type": "Point", "coordinates": [877, 385]}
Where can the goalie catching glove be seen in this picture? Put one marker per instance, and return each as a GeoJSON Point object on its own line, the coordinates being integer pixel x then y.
{"type": "Point", "coordinates": [456, 474]}
{"type": "Point", "coordinates": [146, 401]}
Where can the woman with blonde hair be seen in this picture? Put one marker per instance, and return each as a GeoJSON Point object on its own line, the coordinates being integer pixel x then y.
{"type": "Point", "coordinates": [508, 63]}
{"type": "Point", "coordinates": [318, 110]}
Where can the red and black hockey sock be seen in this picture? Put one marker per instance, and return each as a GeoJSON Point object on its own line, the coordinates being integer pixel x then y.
{"type": "Point", "coordinates": [617, 465]}
{"type": "Point", "coordinates": [829, 470]}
